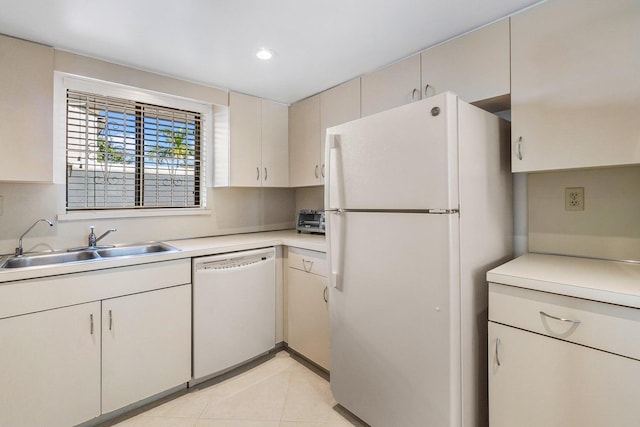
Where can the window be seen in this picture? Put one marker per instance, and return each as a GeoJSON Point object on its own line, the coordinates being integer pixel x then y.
{"type": "Point", "coordinates": [127, 154]}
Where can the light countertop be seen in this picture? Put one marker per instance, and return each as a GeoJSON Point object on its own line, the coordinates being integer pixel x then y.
{"type": "Point", "coordinates": [613, 282]}
{"type": "Point", "coordinates": [188, 248]}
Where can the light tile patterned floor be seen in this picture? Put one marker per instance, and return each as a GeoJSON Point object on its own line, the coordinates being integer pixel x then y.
{"type": "Point", "coordinates": [278, 393]}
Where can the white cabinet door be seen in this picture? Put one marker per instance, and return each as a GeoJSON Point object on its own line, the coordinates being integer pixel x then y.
{"type": "Point", "coordinates": [542, 381]}
{"type": "Point", "coordinates": [146, 345]}
{"type": "Point", "coordinates": [338, 105]}
{"type": "Point", "coordinates": [50, 367]}
{"type": "Point", "coordinates": [275, 144]}
{"type": "Point", "coordinates": [26, 111]}
{"type": "Point", "coordinates": [475, 66]}
{"type": "Point", "coordinates": [395, 85]}
{"type": "Point", "coordinates": [245, 143]}
{"type": "Point", "coordinates": [575, 88]}
{"type": "Point", "coordinates": [304, 143]}
{"type": "Point", "coordinates": [308, 314]}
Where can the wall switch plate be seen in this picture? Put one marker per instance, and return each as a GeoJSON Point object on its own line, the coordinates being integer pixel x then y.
{"type": "Point", "coordinates": [574, 199]}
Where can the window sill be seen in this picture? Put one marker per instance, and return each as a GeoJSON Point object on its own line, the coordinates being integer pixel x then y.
{"type": "Point", "coordinates": [110, 214]}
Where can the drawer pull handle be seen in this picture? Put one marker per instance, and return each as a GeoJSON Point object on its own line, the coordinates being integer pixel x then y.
{"type": "Point", "coordinates": [304, 265]}
{"type": "Point", "coordinates": [497, 351]}
{"type": "Point", "coordinates": [560, 318]}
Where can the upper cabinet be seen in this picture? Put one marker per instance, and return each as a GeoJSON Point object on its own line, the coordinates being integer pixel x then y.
{"type": "Point", "coordinates": [26, 111]}
{"type": "Point", "coordinates": [308, 123]}
{"type": "Point", "coordinates": [390, 87]}
{"type": "Point", "coordinates": [258, 144]}
{"type": "Point", "coordinates": [474, 66]}
{"type": "Point", "coordinates": [575, 77]}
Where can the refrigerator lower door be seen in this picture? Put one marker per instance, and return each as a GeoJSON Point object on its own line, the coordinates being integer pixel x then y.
{"type": "Point", "coordinates": [395, 341]}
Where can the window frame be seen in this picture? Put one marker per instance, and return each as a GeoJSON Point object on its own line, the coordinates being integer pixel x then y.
{"type": "Point", "coordinates": [64, 81]}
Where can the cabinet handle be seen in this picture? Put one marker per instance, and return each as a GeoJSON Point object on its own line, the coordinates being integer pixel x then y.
{"type": "Point", "coordinates": [304, 265]}
{"type": "Point", "coordinates": [91, 323]}
{"type": "Point", "coordinates": [426, 88]}
{"type": "Point", "coordinates": [110, 320]}
{"type": "Point", "coordinates": [413, 94]}
{"type": "Point", "coordinates": [322, 170]}
{"type": "Point", "coordinates": [520, 148]}
{"type": "Point", "coordinates": [316, 171]}
{"type": "Point", "coordinates": [324, 294]}
{"type": "Point", "coordinates": [265, 174]}
{"type": "Point", "coordinates": [561, 318]}
{"type": "Point", "coordinates": [497, 351]}
{"type": "Point", "coordinates": [257, 174]}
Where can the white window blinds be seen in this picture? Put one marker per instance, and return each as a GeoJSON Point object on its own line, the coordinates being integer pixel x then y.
{"type": "Point", "coordinates": [123, 154]}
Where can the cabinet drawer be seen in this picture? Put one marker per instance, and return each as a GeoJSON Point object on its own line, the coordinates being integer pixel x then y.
{"type": "Point", "coordinates": [309, 261]}
{"type": "Point", "coordinates": [603, 326]}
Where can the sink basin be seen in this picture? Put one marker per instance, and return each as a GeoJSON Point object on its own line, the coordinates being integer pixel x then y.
{"type": "Point", "coordinates": [85, 254]}
{"type": "Point", "coordinates": [48, 259]}
{"type": "Point", "coordinates": [130, 250]}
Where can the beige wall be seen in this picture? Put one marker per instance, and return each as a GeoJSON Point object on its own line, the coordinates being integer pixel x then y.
{"type": "Point", "coordinates": [231, 210]}
{"type": "Point", "coordinates": [609, 226]}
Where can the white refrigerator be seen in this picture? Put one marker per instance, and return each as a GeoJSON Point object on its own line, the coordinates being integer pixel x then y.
{"type": "Point", "coordinates": [418, 207]}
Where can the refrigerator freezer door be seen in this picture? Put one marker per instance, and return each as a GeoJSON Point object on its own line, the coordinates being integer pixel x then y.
{"type": "Point", "coordinates": [394, 331]}
{"type": "Point", "coordinates": [400, 159]}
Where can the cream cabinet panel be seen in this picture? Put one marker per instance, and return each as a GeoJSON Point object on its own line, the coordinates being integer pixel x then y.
{"type": "Point", "coordinates": [475, 66]}
{"type": "Point", "coordinates": [246, 140]}
{"type": "Point", "coordinates": [540, 381]}
{"type": "Point", "coordinates": [575, 85]}
{"type": "Point", "coordinates": [338, 105]}
{"type": "Point", "coordinates": [258, 145]}
{"type": "Point", "coordinates": [308, 305]}
{"type": "Point", "coordinates": [304, 143]}
{"type": "Point", "coordinates": [50, 367]}
{"type": "Point", "coordinates": [390, 87]}
{"type": "Point", "coordinates": [275, 144]}
{"type": "Point", "coordinates": [26, 111]}
{"type": "Point", "coordinates": [146, 342]}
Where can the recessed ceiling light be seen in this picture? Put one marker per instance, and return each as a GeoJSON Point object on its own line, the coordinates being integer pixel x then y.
{"type": "Point", "coordinates": [264, 54]}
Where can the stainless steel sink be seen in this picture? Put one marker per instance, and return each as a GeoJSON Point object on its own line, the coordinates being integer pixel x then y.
{"type": "Point", "coordinates": [48, 259]}
{"type": "Point", "coordinates": [85, 254]}
{"type": "Point", "coordinates": [131, 250]}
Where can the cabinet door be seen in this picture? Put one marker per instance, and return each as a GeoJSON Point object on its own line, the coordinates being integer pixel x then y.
{"type": "Point", "coordinates": [391, 87]}
{"type": "Point", "coordinates": [26, 111]}
{"type": "Point", "coordinates": [275, 144]}
{"type": "Point", "coordinates": [338, 105]}
{"type": "Point", "coordinates": [475, 66]}
{"type": "Point", "coordinates": [543, 381]}
{"type": "Point", "coordinates": [308, 316]}
{"type": "Point", "coordinates": [146, 345]}
{"type": "Point", "coordinates": [50, 367]}
{"type": "Point", "coordinates": [575, 88]}
{"type": "Point", "coordinates": [304, 142]}
{"type": "Point", "coordinates": [246, 147]}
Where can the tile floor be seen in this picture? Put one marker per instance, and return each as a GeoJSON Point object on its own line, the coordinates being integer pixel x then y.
{"type": "Point", "coordinates": [280, 392]}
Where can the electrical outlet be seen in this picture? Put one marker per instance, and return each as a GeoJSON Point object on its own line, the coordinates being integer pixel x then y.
{"type": "Point", "coordinates": [574, 199]}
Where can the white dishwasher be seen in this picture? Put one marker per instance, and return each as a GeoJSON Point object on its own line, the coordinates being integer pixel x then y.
{"type": "Point", "coordinates": [234, 310]}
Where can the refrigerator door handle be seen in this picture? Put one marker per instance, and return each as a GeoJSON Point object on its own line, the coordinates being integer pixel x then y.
{"type": "Point", "coordinates": [334, 245]}
{"type": "Point", "coordinates": [332, 177]}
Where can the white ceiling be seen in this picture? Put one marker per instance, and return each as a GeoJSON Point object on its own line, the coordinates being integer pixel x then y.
{"type": "Point", "coordinates": [317, 43]}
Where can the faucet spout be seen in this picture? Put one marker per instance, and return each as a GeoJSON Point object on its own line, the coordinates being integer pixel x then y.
{"type": "Point", "coordinates": [18, 251]}
{"type": "Point", "coordinates": [93, 240]}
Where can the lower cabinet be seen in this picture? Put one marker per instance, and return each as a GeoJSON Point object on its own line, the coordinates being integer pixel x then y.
{"type": "Point", "coordinates": [146, 339]}
{"type": "Point", "coordinates": [308, 311]}
{"type": "Point", "coordinates": [50, 367]}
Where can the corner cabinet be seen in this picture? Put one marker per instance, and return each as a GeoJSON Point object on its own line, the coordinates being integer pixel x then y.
{"type": "Point", "coordinates": [256, 153]}
{"type": "Point", "coordinates": [575, 87]}
{"type": "Point", "coordinates": [26, 111]}
{"type": "Point", "coordinates": [558, 361]}
{"type": "Point", "coordinates": [308, 305]}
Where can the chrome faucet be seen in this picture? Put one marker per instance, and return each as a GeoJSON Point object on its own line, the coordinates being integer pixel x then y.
{"type": "Point", "coordinates": [92, 236]}
{"type": "Point", "coordinates": [19, 248]}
